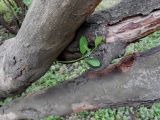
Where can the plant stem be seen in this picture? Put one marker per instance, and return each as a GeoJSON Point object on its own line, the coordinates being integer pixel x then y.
{"type": "Point", "coordinates": [72, 61]}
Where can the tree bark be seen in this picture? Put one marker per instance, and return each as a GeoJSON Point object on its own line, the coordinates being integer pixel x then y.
{"type": "Point", "coordinates": [134, 80]}
{"type": "Point", "coordinates": [103, 22]}
{"type": "Point", "coordinates": [117, 37]}
{"type": "Point", "coordinates": [48, 28]}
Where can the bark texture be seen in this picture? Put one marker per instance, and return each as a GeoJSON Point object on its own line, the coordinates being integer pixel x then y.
{"type": "Point", "coordinates": [48, 28]}
{"type": "Point", "coordinates": [117, 37]}
{"type": "Point", "coordinates": [135, 79]}
{"type": "Point", "coordinates": [104, 22]}
{"type": "Point", "coordinates": [123, 9]}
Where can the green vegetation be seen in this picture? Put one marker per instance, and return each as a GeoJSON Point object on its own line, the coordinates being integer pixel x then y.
{"type": "Point", "coordinates": [123, 113]}
{"type": "Point", "coordinates": [145, 43]}
{"type": "Point", "coordinates": [86, 52]}
{"type": "Point", "coordinates": [60, 72]}
{"type": "Point", "coordinates": [27, 2]}
{"type": "Point", "coordinates": [107, 4]}
{"type": "Point", "coordinates": [7, 14]}
{"type": "Point", "coordinates": [4, 35]}
{"type": "Point", "coordinates": [12, 13]}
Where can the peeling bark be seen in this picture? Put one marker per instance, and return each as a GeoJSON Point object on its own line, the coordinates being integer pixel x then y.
{"type": "Point", "coordinates": [104, 22]}
{"type": "Point", "coordinates": [134, 80]}
{"type": "Point", "coordinates": [117, 37]}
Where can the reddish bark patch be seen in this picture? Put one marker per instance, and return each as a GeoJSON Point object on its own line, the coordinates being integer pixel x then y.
{"type": "Point", "coordinates": [123, 66]}
{"type": "Point", "coordinates": [129, 26]}
{"type": "Point", "coordinates": [78, 107]}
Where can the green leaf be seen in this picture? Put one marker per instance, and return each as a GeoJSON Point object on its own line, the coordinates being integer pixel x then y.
{"type": "Point", "coordinates": [27, 2]}
{"type": "Point", "coordinates": [84, 45]}
{"type": "Point", "coordinates": [93, 62]}
{"type": "Point", "coordinates": [98, 41]}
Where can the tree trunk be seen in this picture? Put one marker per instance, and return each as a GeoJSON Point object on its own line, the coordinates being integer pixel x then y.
{"type": "Point", "coordinates": [48, 28]}
{"type": "Point", "coordinates": [134, 80]}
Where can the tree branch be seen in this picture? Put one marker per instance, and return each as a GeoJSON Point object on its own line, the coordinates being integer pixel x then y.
{"type": "Point", "coordinates": [135, 79]}
{"type": "Point", "coordinates": [48, 28]}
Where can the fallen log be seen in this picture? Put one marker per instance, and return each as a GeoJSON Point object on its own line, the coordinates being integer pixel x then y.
{"type": "Point", "coordinates": [134, 80]}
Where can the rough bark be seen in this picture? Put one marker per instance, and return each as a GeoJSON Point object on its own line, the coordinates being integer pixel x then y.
{"type": "Point", "coordinates": [48, 28]}
{"type": "Point", "coordinates": [117, 37]}
{"type": "Point", "coordinates": [123, 9]}
{"type": "Point", "coordinates": [101, 21]}
{"type": "Point", "coordinates": [134, 80]}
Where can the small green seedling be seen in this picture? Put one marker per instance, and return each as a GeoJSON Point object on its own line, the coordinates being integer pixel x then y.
{"type": "Point", "coordinates": [93, 62]}
{"type": "Point", "coordinates": [86, 52]}
{"type": "Point", "coordinates": [84, 45]}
